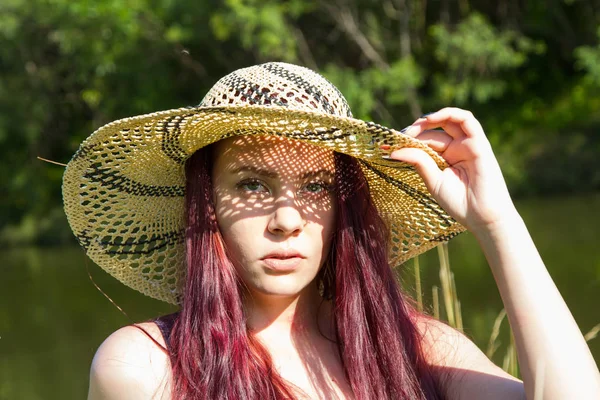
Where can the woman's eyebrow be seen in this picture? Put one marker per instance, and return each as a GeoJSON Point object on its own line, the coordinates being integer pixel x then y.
{"type": "Point", "coordinates": [321, 172]}
{"type": "Point", "coordinates": [254, 170]}
{"type": "Point", "coordinates": [272, 174]}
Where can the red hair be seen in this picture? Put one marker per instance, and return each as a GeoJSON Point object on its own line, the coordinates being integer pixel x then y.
{"type": "Point", "coordinates": [213, 356]}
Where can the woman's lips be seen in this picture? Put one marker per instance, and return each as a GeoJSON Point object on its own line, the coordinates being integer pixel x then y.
{"type": "Point", "coordinates": [287, 264]}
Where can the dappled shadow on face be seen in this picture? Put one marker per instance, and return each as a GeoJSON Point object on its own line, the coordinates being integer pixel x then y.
{"type": "Point", "coordinates": [253, 175]}
{"type": "Point", "coordinates": [275, 206]}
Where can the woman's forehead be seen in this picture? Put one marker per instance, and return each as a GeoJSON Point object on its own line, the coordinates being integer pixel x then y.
{"type": "Point", "coordinates": [281, 155]}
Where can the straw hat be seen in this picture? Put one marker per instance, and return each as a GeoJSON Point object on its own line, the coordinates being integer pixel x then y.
{"type": "Point", "coordinates": [124, 188]}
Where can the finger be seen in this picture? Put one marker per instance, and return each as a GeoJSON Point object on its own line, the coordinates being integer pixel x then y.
{"type": "Point", "coordinates": [413, 130]}
{"type": "Point", "coordinates": [423, 163]}
{"type": "Point", "coordinates": [437, 139]}
{"type": "Point", "coordinates": [455, 121]}
{"type": "Point", "coordinates": [423, 124]}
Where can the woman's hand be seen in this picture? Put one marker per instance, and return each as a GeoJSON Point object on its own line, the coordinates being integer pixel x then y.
{"type": "Point", "coordinates": [472, 190]}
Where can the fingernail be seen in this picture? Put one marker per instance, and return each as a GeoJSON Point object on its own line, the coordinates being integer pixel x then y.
{"type": "Point", "coordinates": [425, 115]}
{"type": "Point", "coordinates": [405, 129]}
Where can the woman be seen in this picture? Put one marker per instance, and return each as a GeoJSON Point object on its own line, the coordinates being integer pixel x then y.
{"type": "Point", "coordinates": [284, 233]}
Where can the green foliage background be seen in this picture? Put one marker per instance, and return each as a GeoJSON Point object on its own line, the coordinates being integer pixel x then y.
{"type": "Point", "coordinates": [529, 70]}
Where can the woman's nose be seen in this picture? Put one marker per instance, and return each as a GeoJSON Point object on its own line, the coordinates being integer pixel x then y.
{"type": "Point", "coordinates": [287, 219]}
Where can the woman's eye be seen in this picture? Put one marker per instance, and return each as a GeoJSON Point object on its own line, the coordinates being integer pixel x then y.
{"type": "Point", "coordinates": [317, 187]}
{"type": "Point", "coordinates": [253, 186]}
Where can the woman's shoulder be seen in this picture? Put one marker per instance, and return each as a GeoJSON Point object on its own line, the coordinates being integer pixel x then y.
{"type": "Point", "coordinates": [131, 363]}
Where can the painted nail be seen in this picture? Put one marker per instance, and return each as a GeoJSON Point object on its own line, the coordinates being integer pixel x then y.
{"type": "Point", "coordinates": [425, 115]}
{"type": "Point", "coordinates": [405, 129]}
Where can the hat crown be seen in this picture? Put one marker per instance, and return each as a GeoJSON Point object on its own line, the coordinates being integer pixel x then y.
{"type": "Point", "coordinates": [278, 84]}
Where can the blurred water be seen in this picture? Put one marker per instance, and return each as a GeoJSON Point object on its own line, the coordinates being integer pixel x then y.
{"type": "Point", "coordinates": [52, 318]}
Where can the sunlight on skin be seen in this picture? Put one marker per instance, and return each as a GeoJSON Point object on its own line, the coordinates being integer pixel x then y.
{"type": "Point", "coordinates": [275, 195]}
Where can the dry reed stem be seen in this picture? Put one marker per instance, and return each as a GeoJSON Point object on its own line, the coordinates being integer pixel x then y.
{"type": "Point", "coordinates": [493, 344]}
{"type": "Point", "coordinates": [419, 294]}
{"type": "Point", "coordinates": [592, 334]}
{"type": "Point", "coordinates": [455, 301]}
{"type": "Point", "coordinates": [510, 363]}
{"type": "Point", "coordinates": [435, 291]}
{"type": "Point", "coordinates": [459, 320]}
{"type": "Point", "coordinates": [446, 282]}
{"type": "Point", "coordinates": [452, 306]}
{"type": "Point", "coordinates": [51, 162]}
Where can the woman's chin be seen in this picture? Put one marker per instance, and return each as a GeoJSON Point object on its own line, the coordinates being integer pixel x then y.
{"type": "Point", "coordinates": [280, 286]}
{"type": "Point", "coordinates": [280, 291]}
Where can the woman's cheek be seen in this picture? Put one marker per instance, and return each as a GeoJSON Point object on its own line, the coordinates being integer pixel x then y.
{"type": "Point", "coordinates": [241, 239]}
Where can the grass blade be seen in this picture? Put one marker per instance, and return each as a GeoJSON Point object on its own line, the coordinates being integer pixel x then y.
{"type": "Point", "coordinates": [494, 343]}
{"type": "Point", "coordinates": [419, 294]}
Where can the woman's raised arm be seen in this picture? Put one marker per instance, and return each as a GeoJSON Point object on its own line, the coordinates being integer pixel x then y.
{"type": "Point", "coordinates": [554, 359]}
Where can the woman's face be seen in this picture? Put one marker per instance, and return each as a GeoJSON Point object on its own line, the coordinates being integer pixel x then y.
{"type": "Point", "coordinates": [275, 208]}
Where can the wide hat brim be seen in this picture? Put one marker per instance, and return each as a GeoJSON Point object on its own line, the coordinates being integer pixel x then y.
{"type": "Point", "coordinates": [124, 188]}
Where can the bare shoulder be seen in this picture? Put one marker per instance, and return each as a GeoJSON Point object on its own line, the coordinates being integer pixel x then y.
{"type": "Point", "coordinates": [130, 365]}
{"type": "Point", "coordinates": [464, 370]}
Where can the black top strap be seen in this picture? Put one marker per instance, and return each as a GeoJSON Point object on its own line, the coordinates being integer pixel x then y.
{"type": "Point", "coordinates": [165, 325]}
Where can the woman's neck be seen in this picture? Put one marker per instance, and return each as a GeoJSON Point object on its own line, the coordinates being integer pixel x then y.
{"type": "Point", "coordinates": [304, 313]}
